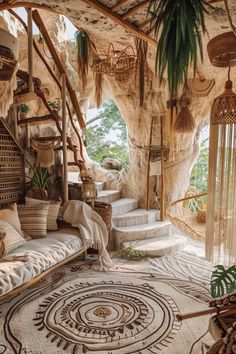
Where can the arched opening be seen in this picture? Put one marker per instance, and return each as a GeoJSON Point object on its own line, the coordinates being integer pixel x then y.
{"type": "Point", "coordinates": [105, 136]}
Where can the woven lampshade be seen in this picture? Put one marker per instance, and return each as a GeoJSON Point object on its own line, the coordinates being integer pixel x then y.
{"type": "Point", "coordinates": [220, 236]}
{"type": "Point", "coordinates": [223, 110]}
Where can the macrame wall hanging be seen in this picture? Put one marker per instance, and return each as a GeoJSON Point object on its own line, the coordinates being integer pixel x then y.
{"type": "Point", "coordinates": [200, 87]}
{"type": "Point", "coordinates": [45, 151]}
{"type": "Point", "coordinates": [221, 209]}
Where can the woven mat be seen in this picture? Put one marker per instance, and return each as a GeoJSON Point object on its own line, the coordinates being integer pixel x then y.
{"type": "Point", "coordinates": [76, 310]}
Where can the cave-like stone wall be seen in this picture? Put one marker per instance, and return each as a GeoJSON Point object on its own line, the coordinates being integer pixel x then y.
{"type": "Point", "coordinates": [184, 147]}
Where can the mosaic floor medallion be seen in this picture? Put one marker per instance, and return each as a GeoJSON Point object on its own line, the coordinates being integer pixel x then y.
{"type": "Point", "coordinates": [108, 317]}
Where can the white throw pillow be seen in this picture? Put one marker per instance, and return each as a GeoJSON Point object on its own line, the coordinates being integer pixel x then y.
{"type": "Point", "coordinates": [53, 211]}
{"type": "Point", "coordinates": [9, 238]}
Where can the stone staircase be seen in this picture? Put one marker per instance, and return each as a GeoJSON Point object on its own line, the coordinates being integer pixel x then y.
{"type": "Point", "coordinates": [140, 228]}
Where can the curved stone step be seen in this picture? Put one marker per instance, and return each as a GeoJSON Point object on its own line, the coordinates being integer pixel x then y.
{"type": "Point", "coordinates": [141, 232]}
{"type": "Point", "coordinates": [123, 205]}
{"type": "Point", "coordinates": [159, 246]}
{"type": "Point", "coordinates": [136, 217]}
{"type": "Point", "coordinates": [108, 195]}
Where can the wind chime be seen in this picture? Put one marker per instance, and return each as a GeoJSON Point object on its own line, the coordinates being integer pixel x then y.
{"type": "Point", "coordinates": [221, 210]}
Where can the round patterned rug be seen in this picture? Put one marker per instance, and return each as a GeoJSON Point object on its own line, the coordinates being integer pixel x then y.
{"type": "Point", "coordinates": [99, 313]}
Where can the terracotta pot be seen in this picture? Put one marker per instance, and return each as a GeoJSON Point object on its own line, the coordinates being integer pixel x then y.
{"type": "Point", "coordinates": [222, 50]}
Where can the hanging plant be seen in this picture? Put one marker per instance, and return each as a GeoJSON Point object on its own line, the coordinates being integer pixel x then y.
{"type": "Point", "coordinates": [182, 24]}
{"type": "Point", "coordinates": [84, 48]}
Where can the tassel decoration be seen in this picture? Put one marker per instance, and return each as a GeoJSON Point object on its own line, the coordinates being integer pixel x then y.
{"type": "Point", "coordinates": [185, 122]}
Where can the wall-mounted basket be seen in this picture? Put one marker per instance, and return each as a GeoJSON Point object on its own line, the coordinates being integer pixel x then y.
{"type": "Point", "coordinates": [8, 55]}
{"type": "Point", "coordinates": [222, 50]}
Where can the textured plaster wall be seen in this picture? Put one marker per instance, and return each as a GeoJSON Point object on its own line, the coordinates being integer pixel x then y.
{"type": "Point", "coordinates": [125, 92]}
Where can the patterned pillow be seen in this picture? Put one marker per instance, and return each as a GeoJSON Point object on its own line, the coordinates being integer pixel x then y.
{"type": "Point", "coordinates": [9, 238]}
{"type": "Point", "coordinates": [33, 219]}
{"type": "Point", "coordinates": [10, 215]}
{"type": "Point", "coordinates": [53, 211]}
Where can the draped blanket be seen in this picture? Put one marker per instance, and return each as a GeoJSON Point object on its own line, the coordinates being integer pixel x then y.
{"type": "Point", "coordinates": [92, 228]}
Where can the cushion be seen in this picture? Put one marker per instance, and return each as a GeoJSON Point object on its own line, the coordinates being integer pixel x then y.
{"type": "Point", "coordinates": [9, 238]}
{"type": "Point", "coordinates": [33, 219]}
{"type": "Point", "coordinates": [53, 211]}
{"type": "Point", "coordinates": [10, 215]}
{"type": "Point", "coordinates": [40, 255]}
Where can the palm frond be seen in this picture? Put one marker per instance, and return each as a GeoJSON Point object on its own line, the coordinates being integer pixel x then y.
{"type": "Point", "coordinates": [223, 281]}
{"type": "Point", "coordinates": [178, 26]}
{"type": "Point", "coordinates": [84, 48]}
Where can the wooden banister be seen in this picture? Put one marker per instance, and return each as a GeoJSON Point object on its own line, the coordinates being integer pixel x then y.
{"type": "Point", "coordinates": [39, 22]}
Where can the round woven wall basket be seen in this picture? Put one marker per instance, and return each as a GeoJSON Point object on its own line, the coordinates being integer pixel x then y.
{"type": "Point", "coordinates": [222, 50]}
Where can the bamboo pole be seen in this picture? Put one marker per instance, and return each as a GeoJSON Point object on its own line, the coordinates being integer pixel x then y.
{"type": "Point", "coordinates": [30, 66]}
{"type": "Point", "coordinates": [162, 201]}
{"type": "Point", "coordinates": [30, 49]}
{"type": "Point", "coordinates": [221, 310]}
{"type": "Point", "coordinates": [148, 167]}
{"type": "Point", "coordinates": [64, 139]}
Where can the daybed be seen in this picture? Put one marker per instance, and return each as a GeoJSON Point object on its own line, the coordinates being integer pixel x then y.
{"type": "Point", "coordinates": [39, 257]}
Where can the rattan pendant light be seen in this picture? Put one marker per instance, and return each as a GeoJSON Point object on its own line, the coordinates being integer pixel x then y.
{"type": "Point", "coordinates": [221, 210]}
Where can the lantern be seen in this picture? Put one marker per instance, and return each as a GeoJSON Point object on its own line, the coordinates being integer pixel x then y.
{"type": "Point", "coordinates": [89, 192]}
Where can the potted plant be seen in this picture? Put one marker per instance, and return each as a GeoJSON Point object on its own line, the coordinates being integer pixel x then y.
{"type": "Point", "coordinates": [38, 183]}
{"type": "Point", "coordinates": [23, 109]}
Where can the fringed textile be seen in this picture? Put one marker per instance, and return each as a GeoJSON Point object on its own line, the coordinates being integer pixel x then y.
{"type": "Point", "coordinates": [220, 236]}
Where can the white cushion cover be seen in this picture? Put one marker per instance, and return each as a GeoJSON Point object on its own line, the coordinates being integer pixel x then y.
{"type": "Point", "coordinates": [42, 254]}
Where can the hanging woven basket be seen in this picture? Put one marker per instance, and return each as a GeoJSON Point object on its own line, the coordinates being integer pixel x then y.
{"type": "Point", "coordinates": [8, 55]}
{"type": "Point", "coordinates": [222, 50]}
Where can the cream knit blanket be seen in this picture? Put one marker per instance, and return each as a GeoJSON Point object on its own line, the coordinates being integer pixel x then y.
{"type": "Point", "coordinates": [92, 228]}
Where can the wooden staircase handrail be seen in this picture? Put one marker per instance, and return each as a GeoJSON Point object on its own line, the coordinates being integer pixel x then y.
{"type": "Point", "coordinates": [188, 198]}
{"type": "Point", "coordinates": [55, 79]}
{"type": "Point", "coordinates": [38, 21]}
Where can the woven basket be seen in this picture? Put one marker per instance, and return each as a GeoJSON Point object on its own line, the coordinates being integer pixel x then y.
{"type": "Point", "coordinates": [105, 211]}
{"type": "Point", "coordinates": [221, 48]}
{"type": "Point", "coordinates": [201, 216]}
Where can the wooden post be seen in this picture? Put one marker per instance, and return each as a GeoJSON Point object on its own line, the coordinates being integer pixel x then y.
{"type": "Point", "coordinates": [162, 199]}
{"type": "Point", "coordinates": [30, 65]}
{"type": "Point", "coordinates": [64, 139]}
{"type": "Point", "coordinates": [30, 50]}
{"type": "Point", "coordinates": [15, 118]}
{"type": "Point", "coordinates": [148, 167]}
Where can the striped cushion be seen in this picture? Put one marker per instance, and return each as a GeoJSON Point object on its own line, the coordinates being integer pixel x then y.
{"type": "Point", "coordinates": [53, 211]}
{"type": "Point", "coordinates": [9, 238]}
{"type": "Point", "coordinates": [33, 219]}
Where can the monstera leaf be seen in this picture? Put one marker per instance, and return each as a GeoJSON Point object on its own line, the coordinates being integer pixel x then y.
{"type": "Point", "coordinates": [223, 281]}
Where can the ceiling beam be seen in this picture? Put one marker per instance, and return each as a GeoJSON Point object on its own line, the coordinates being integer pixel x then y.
{"type": "Point", "coordinates": [14, 5]}
{"type": "Point", "coordinates": [143, 24]}
{"type": "Point", "coordinates": [118, 4]}
{"type": "Point", "coordinates": [135, 9]}
{"type": "Point", "coordinates": [118, 19]}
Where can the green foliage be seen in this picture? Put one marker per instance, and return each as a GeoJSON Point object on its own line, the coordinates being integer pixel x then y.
{"type": "Point", "coordinates": [98, 143]}
{"type": "Point", "coordinates": [40, 177]}
{"type": "Point", "coordinates": [181, 23]}
{"type": "Point", "coordinates": [53, 104]}
{"type": "Point", "coordinates": [130, 253]}
{"type": "Point", "coordinates": [223, 281]}
{"type": "Point", "coordinates": [199, 174]}
{"type": "Point", "coordinates": [83, 47]}
{"type": "Point", "coordinates": [23, 108]}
